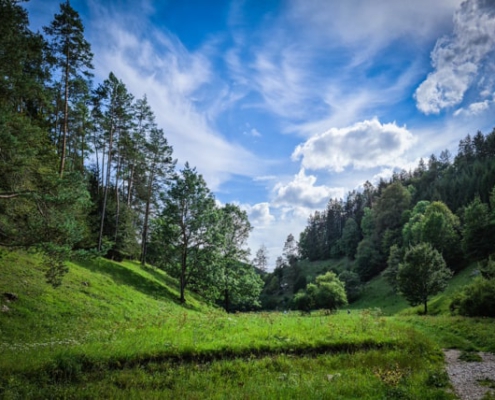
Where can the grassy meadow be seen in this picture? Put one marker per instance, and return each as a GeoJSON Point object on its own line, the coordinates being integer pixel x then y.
{"type": "Point", "coordinates": [116, 330]}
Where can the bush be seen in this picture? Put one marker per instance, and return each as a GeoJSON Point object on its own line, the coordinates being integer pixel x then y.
{"type": "Point", "coordinates": [476, 299]}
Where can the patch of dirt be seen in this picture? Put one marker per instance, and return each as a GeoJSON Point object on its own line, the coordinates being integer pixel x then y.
{"type": "Point", "coordinates": [466, 376]}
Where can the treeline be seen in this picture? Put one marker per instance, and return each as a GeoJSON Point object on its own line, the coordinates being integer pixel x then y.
{"type": "Point", "coordinates": [85, 170]}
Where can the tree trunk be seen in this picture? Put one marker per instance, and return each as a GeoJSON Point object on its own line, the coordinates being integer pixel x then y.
{"type": "Point", "coordinates": [183, 273]}
{"type": "Point", "coordinates": [66, 114]}
{"type": "Point", "coordinates": [117, 197]}
{"type": "Point", "coordinates": [144, 237]}
{"type": "Point", "coordinates": [105, 192]}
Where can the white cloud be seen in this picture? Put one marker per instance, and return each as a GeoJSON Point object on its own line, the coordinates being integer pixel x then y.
{"type": "Point", "coordinates": [365, 144]}
{"type": "Point", "coordinates": [302, 192]}
{"type": "Point", "coordinates": [259, 214]}
{"type": "Point", "coordinates": [474, 108]}
{"type": "Point", "coordinates": [457, 59]}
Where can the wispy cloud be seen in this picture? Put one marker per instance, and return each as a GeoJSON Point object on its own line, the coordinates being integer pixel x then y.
{"type": "Point", "coordinates": [180, 86]}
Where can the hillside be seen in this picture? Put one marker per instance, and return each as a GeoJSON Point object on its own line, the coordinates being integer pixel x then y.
{"type": "Point", "coordinates": [378, 294]}
{"type": "Point", "coordinates": [96, 296]}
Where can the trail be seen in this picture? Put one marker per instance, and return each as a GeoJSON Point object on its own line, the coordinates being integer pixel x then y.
{"type": "Point", "coordinates": [465, 376]}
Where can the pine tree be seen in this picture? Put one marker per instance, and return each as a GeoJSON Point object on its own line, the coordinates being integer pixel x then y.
{"type": "Point", "coordinates": [73, 57]}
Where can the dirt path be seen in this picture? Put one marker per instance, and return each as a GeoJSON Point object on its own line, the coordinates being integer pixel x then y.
{"type": "Point", "coordinates": [465, 376]}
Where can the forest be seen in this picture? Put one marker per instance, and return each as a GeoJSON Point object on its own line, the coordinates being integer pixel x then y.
{"type": "Point", "coordinates": [85, 171]}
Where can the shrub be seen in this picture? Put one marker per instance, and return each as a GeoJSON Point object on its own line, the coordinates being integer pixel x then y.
{"type": "Point", "coordinates": [476, 299]}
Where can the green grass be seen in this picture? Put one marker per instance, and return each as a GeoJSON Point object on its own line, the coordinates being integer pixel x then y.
{"type": "Point", "coordinates": [116, 330]}
{"type": "Point", "coordinates": [378, 294]}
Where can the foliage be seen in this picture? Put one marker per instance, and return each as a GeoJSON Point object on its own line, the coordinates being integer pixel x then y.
{"type": "Point", "coordinates": [327, 293]}
{"type": "Point", "coordinates": [422, 274]}
{"type": "Point", "coordinates": [391, 273]}
{"type": "Point", "coordinates": [350, 238]}
{"type": "Point", "coordinates": [368, 259]}
{"type": "Point", "coordinates": [352, 284]}
{"type": "Point", "coordinates": [184, 231]}
{"type": "Point", "coordinates": [261, 259]}
{"type": "Point", "coordinates": [478, 298]}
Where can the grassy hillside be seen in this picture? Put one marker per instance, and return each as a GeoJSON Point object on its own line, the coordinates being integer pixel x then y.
{"type": "Point", "coordinates": [378, 294]}
{"type": "Point", "coordinates": [115, 330]}
{"type": "Point", "coordinates": [96, 296]}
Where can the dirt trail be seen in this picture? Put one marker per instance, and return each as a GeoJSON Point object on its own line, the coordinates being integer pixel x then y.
{"type": "Point", "coordinates": [465, 376]}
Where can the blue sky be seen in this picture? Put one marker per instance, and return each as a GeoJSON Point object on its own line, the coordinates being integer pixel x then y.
{"type": "Point", "coordinates": [282, 105]}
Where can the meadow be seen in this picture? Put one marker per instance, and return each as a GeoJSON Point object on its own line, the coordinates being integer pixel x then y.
{"type": "Point", "coordinates": [115, 330]}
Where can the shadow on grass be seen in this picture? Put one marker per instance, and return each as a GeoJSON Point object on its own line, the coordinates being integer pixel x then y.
{"type": "Point", "coordinates": [166, 279]}
{"type": "Point", "coordinates": [124, 276]}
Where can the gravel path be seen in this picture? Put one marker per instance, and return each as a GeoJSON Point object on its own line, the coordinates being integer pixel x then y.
{"type": "Point", "coordinates": [465, 375]}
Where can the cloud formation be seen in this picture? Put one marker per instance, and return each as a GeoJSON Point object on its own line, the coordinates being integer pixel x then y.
{"type": "Point", "coordinates": [259, 214]}
{"type": "Point", "coordinates": [366, 144]}
{"type": "Point", "coordinates": [302, 192]}
{"type": "Point", "coordinates": [457, 59]}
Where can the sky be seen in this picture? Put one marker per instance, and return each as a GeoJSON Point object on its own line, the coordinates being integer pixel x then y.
{"type": "Point", "coordinates": [284, 104]}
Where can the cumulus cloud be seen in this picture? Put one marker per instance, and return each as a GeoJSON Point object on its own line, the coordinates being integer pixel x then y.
{"type": "Point", "coordinates": [259, 214]}
{"type": "Point", "coordinates": [457, 58]}
{"type": "Point", "coordinates": [365, 144]}
{"type": "Point", "coordinates": [302, 192]}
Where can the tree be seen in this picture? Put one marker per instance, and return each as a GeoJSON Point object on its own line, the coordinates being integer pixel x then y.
{"type": "Point", "coordinates": [72, 56]}
{"type": "Point", "coordinates": [115, 116]}
{"type": "Point", "coordinates": [233, 231]}
{"type": "Point", "coordinates": [422, 274]}
{"type": "Point", "coordinates": [478, 230]}
{"type": "Point", "coordinates": [185, 229]}
{"type": "Point", "coordinates": [393, 262]}
{"type": "Point", "coordinates": [389, 210]}
{"type": "Point", "coordinates": [158, 167]}
{"type": "Point", "coordinates": [352, 284]}
{"type": "Point", "coordinates": [327, 293]}
{"type": "Point", "coordinates": [434, 223]}
{"type": "Point", "coordinates": [261, 259]}
{"type": "Point", "coordinates": [368, 260]}
{"type": "Point", "coordinates": [290, 252]}
{"type": "Point", "coordinates": [350, 238]}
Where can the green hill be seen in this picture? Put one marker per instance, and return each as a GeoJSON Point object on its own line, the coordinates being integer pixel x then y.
{"type": "Point", "coordinates": [378, 294]}
{"type": "Point", "coordinates": [96, 296]}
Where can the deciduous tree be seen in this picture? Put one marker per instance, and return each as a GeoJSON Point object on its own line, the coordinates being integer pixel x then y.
{"type": "Point", "coordinates": [422, 274]}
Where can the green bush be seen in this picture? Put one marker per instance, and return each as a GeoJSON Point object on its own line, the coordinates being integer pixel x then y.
{"type": "Point", "coordinates": [476, 299]}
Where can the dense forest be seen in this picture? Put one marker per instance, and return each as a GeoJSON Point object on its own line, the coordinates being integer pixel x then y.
{"type": "Point", "coordinates": [86, 171]}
